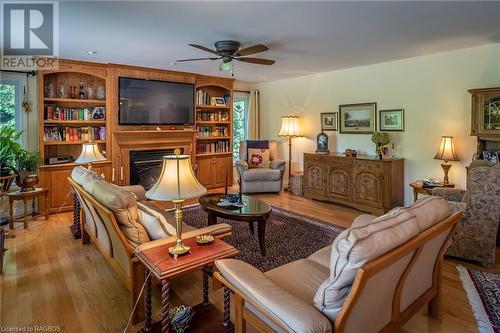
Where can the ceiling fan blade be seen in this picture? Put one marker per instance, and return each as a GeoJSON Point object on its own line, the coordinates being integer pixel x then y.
{"type": "Point", "coordinates": [252, 49]}
{"type": "Point", "coordinates": [256, 61]}
{"type": "Point", "coordinates": [196, 59]}
{"type": "Point", "coordinates": [206, 49]}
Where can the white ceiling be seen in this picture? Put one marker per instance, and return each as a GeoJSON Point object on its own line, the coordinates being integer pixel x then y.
{"type": "Point", "coordinates": [303, 37]}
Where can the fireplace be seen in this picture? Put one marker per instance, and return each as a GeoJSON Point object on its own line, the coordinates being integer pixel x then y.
{"type": "Point", "coordinates": [145, 166]}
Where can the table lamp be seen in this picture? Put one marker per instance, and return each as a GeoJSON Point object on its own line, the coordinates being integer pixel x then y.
{"type": "Point", "coordinates": [90, 153]}
{"type": "Point", "coordinates": [176, 183]}
{"type": "Point", "coordinates": [446, 152]}
{"type": "Point", "coordinates": [290, 127]}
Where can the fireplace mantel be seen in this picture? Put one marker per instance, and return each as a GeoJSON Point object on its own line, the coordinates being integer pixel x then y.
{"type": "Point", "coordinates": [126, 141]}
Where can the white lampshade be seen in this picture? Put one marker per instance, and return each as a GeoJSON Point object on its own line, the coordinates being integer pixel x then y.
{"type": "Point", "coordinates": [90, 153]}
{"type": "Point", "coordinates": [446, 150]}
{"type": "Point", "coordinates": [290, 126]}
{"type": "Point", "coordinates": [176, 181]}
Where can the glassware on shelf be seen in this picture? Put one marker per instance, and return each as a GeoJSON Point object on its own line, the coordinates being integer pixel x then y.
{"type": "Point", "coordinates": [62, 91]}
{"type": "Point", "coordinates": [90, 92]}
{"type": "Point", "coordinates": [49, 90]}
{"type": "Point", "coordinates": [81, 93]}
{"type": "Point", "coordinates": [101, 92]}
{"type": "Point", "coordinates": [73, 91]}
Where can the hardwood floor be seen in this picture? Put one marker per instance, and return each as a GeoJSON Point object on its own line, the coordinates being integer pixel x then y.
{"type": "Point", "coordinates": [51, 279]}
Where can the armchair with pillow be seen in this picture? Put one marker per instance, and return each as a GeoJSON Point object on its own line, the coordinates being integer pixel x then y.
{"type": "Point", "coordinates": [259, 168]}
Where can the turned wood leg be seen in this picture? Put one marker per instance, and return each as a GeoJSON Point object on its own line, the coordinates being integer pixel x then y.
{"type": "Point", "coordinates": [212, 218]}
{"type": "Point", "coordinates": [415, 195]}
{"type": "Point", "coordinates": [165, 298]}
{"type": "Point", "coordinates": [205, 286]}
{"type": "Point", "coordinates": [147, 305]}
{"type": "Point", "coordinates": [76, 226]}
{"type": "Point", "coordinates": [46, 205]}
{"type": "Point", "coordinates": [33, 211]}
{"type": "Point", "coordinates": [11, 213]}
{"type": "Point", "coordinates": [262, 236]}
{"type": "Point", "coordinates": [2, 249]}
{"type": "Point", "coordinates": [227, 307]}
{"type": "Point", "coordinates": [252, 230]}
{"type": "Point", "coordinates": [25, 213]}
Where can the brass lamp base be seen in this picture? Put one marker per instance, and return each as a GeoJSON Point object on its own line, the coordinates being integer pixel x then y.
{"type": "Point", "coordinates": [446, 169]}
{"type": "Point", "coordinates": [179, 248]}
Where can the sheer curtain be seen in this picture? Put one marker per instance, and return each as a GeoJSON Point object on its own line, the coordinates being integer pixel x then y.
{"type": "Point", "coordinates": [254, 115]}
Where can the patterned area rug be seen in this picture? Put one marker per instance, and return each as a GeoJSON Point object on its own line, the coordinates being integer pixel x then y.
{"type": "Point", "coordinates": [483, 291]}
{"type": "Point", "coordinates": [289, 236]}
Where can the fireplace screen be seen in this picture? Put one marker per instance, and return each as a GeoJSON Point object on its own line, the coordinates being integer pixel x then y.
{"type": "Point", "coordinates": [145, 166]}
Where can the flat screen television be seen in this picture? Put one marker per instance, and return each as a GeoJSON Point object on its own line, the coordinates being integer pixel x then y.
{"type": "Point", "coordinates": [149, 102]}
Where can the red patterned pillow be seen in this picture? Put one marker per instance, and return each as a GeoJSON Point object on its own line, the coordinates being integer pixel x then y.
{"type": "Point", "coordinates": [258, 158]}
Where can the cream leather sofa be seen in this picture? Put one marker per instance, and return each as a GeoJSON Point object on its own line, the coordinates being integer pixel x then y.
{"type": "Point", "coordinates": [113, 220]}
{"type": "Point", "coordinates": [373, 278]}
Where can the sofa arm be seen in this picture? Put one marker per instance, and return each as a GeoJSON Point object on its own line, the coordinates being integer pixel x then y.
{"type": "Point", "coordinates": [137, 190]}
{"type": "Point", "coordinates": [449, 194]}
{"type": "Point", "coordinates": [241, 166]}
{"type": "Point", "coordinates": [277, 164]}
{"type": "Point", "coordinates": [216, 230]}
{"type": "Point", "coordinates": [272, 301]}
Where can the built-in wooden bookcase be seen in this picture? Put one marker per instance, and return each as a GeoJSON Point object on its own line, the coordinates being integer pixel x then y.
{"type": "Point", "coordinates": [214, 139]}
{"type": "Point", "coordinates": [67, 120]}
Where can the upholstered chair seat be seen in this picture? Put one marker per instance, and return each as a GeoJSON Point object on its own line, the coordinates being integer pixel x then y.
{"type": "Point", "coordinates": [265, 179]}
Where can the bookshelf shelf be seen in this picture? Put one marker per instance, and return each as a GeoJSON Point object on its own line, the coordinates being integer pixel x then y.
{"type": "Point", "coordinates": [214, 154]}
{"type": "Point", "coordinates": [211, 122]}
{"type": "Point", "coordinates": [214, 138]}
{"type": "Point", "coordinates": [74, 122]}
{"type": "Point", "coordinates": [212, 107]}
{"type": "Point", "coordinates": [76, 101]}
{"type": "Point", "coordinates": [57, 143]}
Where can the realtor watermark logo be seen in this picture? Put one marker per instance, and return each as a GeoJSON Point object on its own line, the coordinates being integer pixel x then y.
{"type": "Point", "coordinates": [30, 36]}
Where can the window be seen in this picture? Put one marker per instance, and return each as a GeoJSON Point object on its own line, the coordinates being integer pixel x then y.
{"type": "Point", "coordinates": [11, 95]}
{"type": "Point", "coordinates": [240, 122]}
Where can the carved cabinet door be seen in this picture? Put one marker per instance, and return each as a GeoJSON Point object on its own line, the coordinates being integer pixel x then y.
{"type": "Point", "coordinates": [314, 179]}
{"type": "Point", "coordinates": [339, 183]}
{"type": "Point", "coordinates": [368, 181]}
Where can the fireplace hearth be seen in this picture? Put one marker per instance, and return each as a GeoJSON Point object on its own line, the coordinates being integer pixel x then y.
{"type": "Point", "coordinates": [145, 166]}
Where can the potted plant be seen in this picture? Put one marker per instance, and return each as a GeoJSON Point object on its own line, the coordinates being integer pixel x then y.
{"type": "Point", "coordinates": [9, 148]}
{"type": "Point", "coordinates": [26, 165]}
{"type": "Point", "coordinates": [380, 139]}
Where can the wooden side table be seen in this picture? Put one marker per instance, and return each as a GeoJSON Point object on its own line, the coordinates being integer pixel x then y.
{"type": "Point", "coordinates": [418, 187]}
{"type": "Point", "coordinates": [25, 197]}
{"type": "Point", "coordinates": [163, 266]}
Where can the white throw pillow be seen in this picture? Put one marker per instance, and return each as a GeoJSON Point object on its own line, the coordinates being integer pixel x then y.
{"type": "Point", "coordinates": [154, 222]}
{"type": "Point", "coordinates": [355, 247]}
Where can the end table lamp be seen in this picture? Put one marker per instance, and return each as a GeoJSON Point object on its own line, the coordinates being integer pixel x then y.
{"type": "Point", "coordinates": [446, 152]}
{"type": "Point", "coordinates": [176, 183]}
{"type": "Point", "coordinates": [290, 127]}
{"type": "Point", "coordinates": [90, 153]}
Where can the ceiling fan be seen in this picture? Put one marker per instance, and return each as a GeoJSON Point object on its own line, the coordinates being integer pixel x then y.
{"type": "Point", "coordinates": [229, 50]}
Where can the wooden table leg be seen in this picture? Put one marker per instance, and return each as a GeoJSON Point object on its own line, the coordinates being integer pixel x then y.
{"type": "Point", "coordinates": [165, 298]}
{"type": "Point", "coordinates": [250, 224]}
{"type": "Point", "coordinates": [25, 214]}
{"type": "Point", "coordinates": [205, 286]}
{"type": "Point", "coordinates": [11, 213]}
{"type": "Point", "coordinates": [262, 235]}
{"type": "Point", "coordinates": [75, 228]}
{"type": "Point", "coordinates": [147, 304]}
{"type": "Point", "coordinates": [227, 307]}
{"type": "Point", "coordinates": [415, 195]}
{"type": "Point", "coordinates": [2, 249]}
{"type": "Point", "coordinates": [212, 218]}
{"type": "Point", "coordinates": [33, 211]}
{"type": "Point", "coordinates": [46, 205]}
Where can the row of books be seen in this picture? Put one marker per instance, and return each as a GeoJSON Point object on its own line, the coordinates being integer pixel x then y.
{"type": "Point", "coordinates": [212, 131]}
{"type": "Point", "coordinates": [213, 147]}
{"type": "Point", "coordinates": [61, 133]}
{"type": "Point", "coordinates": [53, 112]}
{"type": "Point", "coordinates": [213, 116]}
{"type": "Point", "coordinates": [204, 98]}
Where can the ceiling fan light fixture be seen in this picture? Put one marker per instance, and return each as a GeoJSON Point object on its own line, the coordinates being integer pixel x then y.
{"type": "Point", "coordinates": [225, 66]}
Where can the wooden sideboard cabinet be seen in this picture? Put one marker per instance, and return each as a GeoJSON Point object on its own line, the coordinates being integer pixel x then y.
{"type": "Point", "coordinates": [364, 183]}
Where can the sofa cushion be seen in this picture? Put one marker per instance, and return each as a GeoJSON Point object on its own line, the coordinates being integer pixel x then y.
{"type": "Point", "coordinates": [154, 222]}
{"type": "Point", "coordinates": [124, 206]}
{"type": "Point", "coordinates": [362, 220]}
{"type": "Point", "coordinates": [322, 256]}
{"type": "Point", "coordinates": [429, 211]}
{"type": "Point", "coordinates": [259, 174]}
{"type": "Point", "coordinates": [353, 248]}
{"type": "Point", "coordinates": [83, 175]}
{"type": "Point", "coordinates": [258, 158]}
{"type": "Point", "coordinates": [300, 278]}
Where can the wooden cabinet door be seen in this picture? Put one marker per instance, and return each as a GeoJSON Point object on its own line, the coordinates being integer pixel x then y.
{"type": "Point", "coordinates": [368, 183]}
{"type": "Point", "coordinates": [222, 169]}
{"type": "Point", "coordinates": [314, 179]}
{"type": "Point", "coordinates": [59, 188]}
{"type": "Point", "coordinates": [205, 172]}
{"type": "Point", "coordinates": [488, 117]}
{"type": "Point", "coordinates": [339, 182]}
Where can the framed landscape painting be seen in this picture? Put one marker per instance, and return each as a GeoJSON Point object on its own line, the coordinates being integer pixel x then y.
{"type": "Point", "coordinates": [358, 118]}
{"type": "Point", "coordinates": [392, 120]}
{"type": "Point", "coordinates": [329, 121]}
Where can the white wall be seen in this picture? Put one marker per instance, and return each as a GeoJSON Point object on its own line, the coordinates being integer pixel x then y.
{"type": "Point", "coordinates": [432, 90]}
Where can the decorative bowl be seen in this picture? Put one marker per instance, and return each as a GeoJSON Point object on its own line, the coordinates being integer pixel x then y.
{"type": "Point", "coordinates": [204, 239]}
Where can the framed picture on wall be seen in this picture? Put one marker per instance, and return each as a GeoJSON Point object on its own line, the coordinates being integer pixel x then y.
{"type": "Point", "coordinates": [358, 118]}
{"type": "Point", "coordinates": [392, 120]}
{"type": "Point", "coordinates": [329, 121]}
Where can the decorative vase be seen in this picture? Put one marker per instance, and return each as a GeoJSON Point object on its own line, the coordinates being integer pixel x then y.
{"type": "Point", "coordinates": [378, 152]}
{"type": "Point", "coordinates": [26, 180]}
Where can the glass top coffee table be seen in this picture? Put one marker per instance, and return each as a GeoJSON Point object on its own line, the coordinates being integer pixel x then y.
{"type": "Point", "coordinates": [253, 210]}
